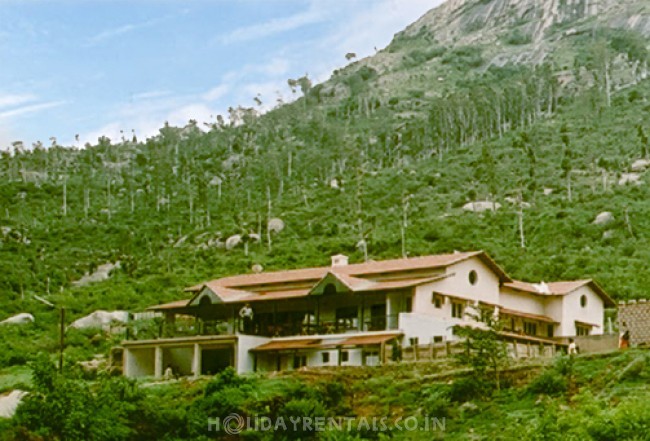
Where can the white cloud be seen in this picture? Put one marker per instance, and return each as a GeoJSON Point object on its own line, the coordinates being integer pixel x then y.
{"type": "Point", "coordinates": [127, 28]}
{"type": "Point", "coordinates": [15, 100]}
{"type": "Point", "coordinates": [32, 108]}
{"type": "Point", "coordinates": [217, 92]}
{"type": "Point", "coordinates": [314, 14]}
{"type": "Point", "coordinates": [151, 95]}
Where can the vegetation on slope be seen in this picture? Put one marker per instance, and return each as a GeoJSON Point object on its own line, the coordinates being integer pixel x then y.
{"type": "Point", "coordinates": [361, 175]}
{"type": "Point", "coordinates": [600, 397]}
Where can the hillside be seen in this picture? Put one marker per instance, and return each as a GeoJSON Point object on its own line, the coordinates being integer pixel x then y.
{"type": "Point", "coordinates": [597, 397]}
{"type": "Point", "coordinates": [375, 159]}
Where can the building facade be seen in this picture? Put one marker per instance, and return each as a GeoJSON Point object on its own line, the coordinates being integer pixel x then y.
{"type": "Point", "coordinates": [355, 314]}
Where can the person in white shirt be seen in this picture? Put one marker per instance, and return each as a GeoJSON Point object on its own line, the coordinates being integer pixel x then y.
{"type": "Point", "coordinates": [246, 314]}
{"type": "Point", "coordinates": [573, 348]}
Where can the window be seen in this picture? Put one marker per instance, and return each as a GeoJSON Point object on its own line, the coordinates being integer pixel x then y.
{"type": "Point", "coordinates": [582, 330]}
{"type": "Point", "coordinates": [473, 277]}
{"type": "Point", "coordinates": [345, 356]}
{"type": "Point", "coordinates": [530, 328]}
{"type": "Point", "coordinates": [457, 309]}
{"type": "Point", "coordinates": [438, 338]}
{"type": "Point", "coordinates": [437, 300]}
{"type": "Point", "coordinates": [299, 361]}
{"type": "Point", "coordinates": [326, 357]}
{"type": "Point", "coordinates": [549, 330]}
{"type": "Point", "coordinates": [413, 341]}
{"type": "Point", "coordinates": [583, 300]}
{"type": "Point", "coordinates": [409, 304]}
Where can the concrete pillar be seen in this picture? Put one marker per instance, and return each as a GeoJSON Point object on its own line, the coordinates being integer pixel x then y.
{"type": "Point", "coordinates": [127, 359]}
{"type": "Point", "coordinates": [158, 362]}
{"type": "Point", "coordinates": [196, 361]}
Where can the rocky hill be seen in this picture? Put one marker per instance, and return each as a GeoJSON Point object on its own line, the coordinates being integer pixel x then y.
{"type": "Point", "coordinates": [538, 108]}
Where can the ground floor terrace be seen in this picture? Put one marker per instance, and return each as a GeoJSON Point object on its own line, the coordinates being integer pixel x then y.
{"type": "Point", "coordinates": [208, 355]}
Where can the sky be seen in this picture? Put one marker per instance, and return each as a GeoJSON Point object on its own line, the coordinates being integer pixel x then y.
{"type": "Point", "coordinates": [95, 67]}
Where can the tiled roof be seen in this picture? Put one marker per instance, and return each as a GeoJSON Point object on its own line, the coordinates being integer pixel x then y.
{"type": "Point", "coordinates": [354, 270]}
{"type": "Point", "coordinates": [539, 317]}
{"type": "Point", "coordinates": [362, 340]}
{"type": "Point", "coordinates": [282, 345]}
{"type": "Point", "coordinates": [559, 288]}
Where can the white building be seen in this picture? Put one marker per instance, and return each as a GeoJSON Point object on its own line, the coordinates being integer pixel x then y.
{"type": "Point", "coordinates": [347, 314]}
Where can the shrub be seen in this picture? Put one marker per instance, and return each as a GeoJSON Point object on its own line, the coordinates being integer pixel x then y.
{"type": "Point", "coordinates": [516, 37]}
{"type": "Point", "coordinates": [469, 388]}
{"type": "Point", "coordinates": [550, 382]}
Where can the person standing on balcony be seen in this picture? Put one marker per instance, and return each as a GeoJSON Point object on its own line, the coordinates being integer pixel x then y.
{"type": "Point", "coordinates": [246, 315]}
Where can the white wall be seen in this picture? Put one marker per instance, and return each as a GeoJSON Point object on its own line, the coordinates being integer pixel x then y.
{"type": "Point", "coordinates": [522, 301]}
{"type": "Point", "coordinates": [593, 312]}
{"type": "Point", "coordinates": [244, 357]}
{"type": "Point", "coordinates": [425, 327]}
{"type": "Point", "coordinates": [457, 284]}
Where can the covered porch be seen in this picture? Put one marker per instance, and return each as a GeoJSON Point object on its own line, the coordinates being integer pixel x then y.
{"type": "Point", "coordinates": [329, 312]}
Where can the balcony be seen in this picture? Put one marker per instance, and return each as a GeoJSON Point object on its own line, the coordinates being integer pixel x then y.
{"type": "Point", "coordinates": [190, 327]}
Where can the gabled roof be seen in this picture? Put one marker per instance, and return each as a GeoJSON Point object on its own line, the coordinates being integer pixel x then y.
{"type": "Point", "coordinates": [560, 288]}
{"type": "Point", "coordinates": [361, 270]}
{"type": "Point", "coordinates": [356, 277]}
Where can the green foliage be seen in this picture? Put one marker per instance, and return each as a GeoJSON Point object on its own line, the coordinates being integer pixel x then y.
{"type": "Point", "coordinates": [484, 351]}
{"type": "Point", "coordinates": [516, 37]}
{"type": "Point", "coordinates": [422, 55]}
{"type": "Point", "coordinates": [66, 408]}
{"type": "Point", "coordinates": [464, 57]}
{"type": "Point", "coordinates": [550, 382]}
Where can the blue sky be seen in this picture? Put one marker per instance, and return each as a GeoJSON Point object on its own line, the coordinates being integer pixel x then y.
{"type": "Point", "coordinates": [95, 67]}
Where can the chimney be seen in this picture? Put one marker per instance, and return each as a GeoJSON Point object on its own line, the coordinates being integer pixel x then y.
{"type": "Point", "coordinates": [339, 260]}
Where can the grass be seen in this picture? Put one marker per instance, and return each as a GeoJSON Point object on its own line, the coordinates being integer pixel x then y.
{"type": "Point", "coordinates": [15, 377]}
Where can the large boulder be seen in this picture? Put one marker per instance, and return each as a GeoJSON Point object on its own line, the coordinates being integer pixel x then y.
{"type": "Point", "coordinates": [19, 319]}
{"type": "Point", "coordinates": [481, 206]}
{"type": "Point", "coordinates": [100, 319]}
{"type": "Point", "coordinates": [233, 241]}
{"type": "Point", "coordinates": [630, 178]}
{"type": "Point", "coordinates": [276, 225]}
{"type": "Point", "coordinates": [9, 403]}
{"type": "Point", "coordinates": [640, 165]}
{"type": "Point", "coordinates": [103, 272]}
{"type": "Point", "coordinates": [604, 218]}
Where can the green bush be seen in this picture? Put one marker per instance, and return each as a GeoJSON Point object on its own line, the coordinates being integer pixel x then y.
{"type": "Point", "coordinates": [517, 37]}
{"type": "Point", "coordinates": [550, 382]}
{"type": "Point", "coordinates": [469, 388]}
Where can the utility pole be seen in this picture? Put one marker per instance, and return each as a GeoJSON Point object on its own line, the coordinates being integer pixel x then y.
{"type": "Point", "coordinates": [61, 327]}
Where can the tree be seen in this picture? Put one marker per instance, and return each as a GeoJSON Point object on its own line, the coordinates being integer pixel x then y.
{"type": "Point", "coordinates": [485, 352]}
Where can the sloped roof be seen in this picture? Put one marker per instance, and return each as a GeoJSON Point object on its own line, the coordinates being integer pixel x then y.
{"type": "Point", "coordinates": [299, 282]}
{"type": "Point", "coordinates": [354, 270]}
{"type": "Point", "coordinates": [561, 289]}
{"type": "Point", "coordinates": [539, 317]}
{"type": "Point", "coordinates": [362, 340]}
{"type": "Point", "coordinates": [282, 345]}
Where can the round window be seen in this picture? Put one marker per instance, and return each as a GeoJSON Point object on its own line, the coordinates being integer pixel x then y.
{"type": "Point", "coordinates": [473, 277]}
{"type": "Point", "coordinates": [583, 300]}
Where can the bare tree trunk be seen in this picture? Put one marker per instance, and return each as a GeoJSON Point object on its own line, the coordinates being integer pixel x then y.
{"type": "Point", "coordinates": [86, 202]}
{"type": "Point", "coordinates": [65, 196]}
{"type": "Point", "coordinates": [522, 237]}
{"type": "Point", "coordinates": [268, 217]}
{"type": "Point", "coordinates": [627, 222]}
